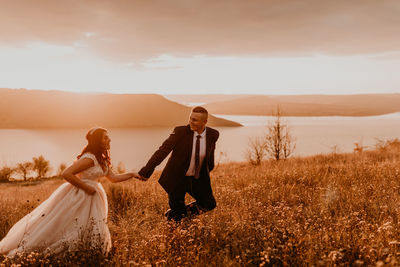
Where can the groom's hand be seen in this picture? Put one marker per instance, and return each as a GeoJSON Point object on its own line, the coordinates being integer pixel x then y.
{"type": "Point", "coordinates": [141, 178]}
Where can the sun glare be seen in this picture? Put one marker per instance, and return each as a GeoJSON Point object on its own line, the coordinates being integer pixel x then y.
{"type": "Point", "coordinates": [75, 68]}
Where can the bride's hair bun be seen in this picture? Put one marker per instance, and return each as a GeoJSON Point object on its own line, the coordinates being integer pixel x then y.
{"type": "Point", "coordinates": [93, 130]}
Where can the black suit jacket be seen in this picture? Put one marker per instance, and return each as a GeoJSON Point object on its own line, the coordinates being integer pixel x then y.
{"type": "Point", "coordinates": [180, 142]}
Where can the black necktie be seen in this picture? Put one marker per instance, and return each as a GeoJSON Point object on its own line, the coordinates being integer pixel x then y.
{"type": "Point", "coordinates": [197, 158]}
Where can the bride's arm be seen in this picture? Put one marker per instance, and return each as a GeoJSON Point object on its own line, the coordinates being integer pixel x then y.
{"type": "Point", "coordinates": [116, 178]}
{"type": "Point", "coordinates": [78, 166]}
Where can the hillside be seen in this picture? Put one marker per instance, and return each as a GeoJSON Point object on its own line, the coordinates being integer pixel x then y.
{"type": "Point", "coordinates": [20, 108]}
{"type": "Point", "coordinates": [312, 105]}
{"type": "Point", "coordinates": [324, 210]}
{"type": "Point", "coordinates": [197, 98]}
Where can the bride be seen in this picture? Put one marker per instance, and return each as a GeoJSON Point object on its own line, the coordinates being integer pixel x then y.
{"type": "Point", "coordinates": [76, 212]}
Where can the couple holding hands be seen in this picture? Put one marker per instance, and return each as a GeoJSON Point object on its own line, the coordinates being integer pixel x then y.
{"type": "Point", "coordinates": [78, 209]}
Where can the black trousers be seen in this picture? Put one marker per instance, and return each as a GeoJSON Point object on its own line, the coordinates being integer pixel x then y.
{"type": "Point", "coordinates": [199, 189]}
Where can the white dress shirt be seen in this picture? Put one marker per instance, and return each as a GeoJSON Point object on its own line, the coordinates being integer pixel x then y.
{"type": "Point", "coordinates": [191, 170]}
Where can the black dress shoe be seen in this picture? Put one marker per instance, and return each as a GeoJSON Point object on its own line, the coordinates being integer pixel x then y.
{"type": "Point", "coordinates": [168, 214]}
{"type": "Point", "coordinates": [174, 216]}
{"type": "Point", "coordinates": [192, 209]}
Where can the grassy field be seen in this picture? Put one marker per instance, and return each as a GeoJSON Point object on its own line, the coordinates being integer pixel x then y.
{"type": "Point", "coordinates": [320, 210]}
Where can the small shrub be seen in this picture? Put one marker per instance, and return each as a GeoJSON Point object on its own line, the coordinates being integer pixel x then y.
{"type": "Point", "coordinates": [41, 166]}
{"type": "Point", "coordinates": [5, 174]}
{"type": "Point", "coordinates": [24, 168]}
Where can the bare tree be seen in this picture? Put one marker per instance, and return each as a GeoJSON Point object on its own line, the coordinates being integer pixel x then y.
{"type": "Point", "coordinates": [279, 143]}
{"type": "Point", "coordinates": [220, 158]}
{"type": "Point", "coordinates": [358, 147]}
{"type": "Point", "coordinates": [61, 168]}
{"type": "Point", "coordinates": [24, 168]}
{"type": "Point", "coordinates": [5, 174]}
{"type": "Point", "coordinates": [289, 144]}
{"type": "Point", "coordinates": [335, 149]}
{"type": "Point", "coordinates": [121, 167]}
{"type": "Point", "coordinates": [41, 166]}
{"type": "Point", "coordinates": [384, 145]}
{"type": "Point", "coordinates": [256, 150]}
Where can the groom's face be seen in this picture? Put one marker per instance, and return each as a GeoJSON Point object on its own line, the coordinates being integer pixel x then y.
{"type": "Point", "coordinates": [197, 121]}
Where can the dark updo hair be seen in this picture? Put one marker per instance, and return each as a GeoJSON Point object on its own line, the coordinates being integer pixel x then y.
{"type": "Point", "coordinates": [95, 147]}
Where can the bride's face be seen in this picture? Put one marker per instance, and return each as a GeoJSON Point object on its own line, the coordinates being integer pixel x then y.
{"type": "Point", "coordinates": [105, 140]}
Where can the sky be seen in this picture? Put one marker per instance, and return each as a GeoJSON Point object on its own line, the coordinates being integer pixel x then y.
{"type": "Point", "coordinates": [201, 47]}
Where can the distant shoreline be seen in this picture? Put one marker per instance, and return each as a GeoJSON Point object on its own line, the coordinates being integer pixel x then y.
{"type": "Point", "coordinates": [231, 117]}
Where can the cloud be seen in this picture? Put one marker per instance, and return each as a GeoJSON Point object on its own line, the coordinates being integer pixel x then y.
{"type": "Point", "coordinates": [131, 30]}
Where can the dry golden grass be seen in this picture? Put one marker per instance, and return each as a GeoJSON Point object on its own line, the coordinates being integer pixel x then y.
{"type": "Point", "coordinates": [320, 210]}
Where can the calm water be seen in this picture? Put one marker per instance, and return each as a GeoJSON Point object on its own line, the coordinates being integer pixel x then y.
{"type": "Point", "coordinates": [133, 147]}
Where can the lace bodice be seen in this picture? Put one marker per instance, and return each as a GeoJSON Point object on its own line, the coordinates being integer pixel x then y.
{"type": "Point", "coordinates": [92, 173]}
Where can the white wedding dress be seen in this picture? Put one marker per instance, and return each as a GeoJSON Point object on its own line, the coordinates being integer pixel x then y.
{"type": "Point", "coordinates": [68, 219]}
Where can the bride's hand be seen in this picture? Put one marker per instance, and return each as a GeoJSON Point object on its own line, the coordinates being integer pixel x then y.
{"type": "Point", "coordinates": [135, 175]}
{"type": "Point", "coordinates": [138, 176]}
{"type": "Point", "coordinates": [90, 190]}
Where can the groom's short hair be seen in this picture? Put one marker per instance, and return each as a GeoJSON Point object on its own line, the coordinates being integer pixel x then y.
{"type": "Point", "coordinates": [202, 110]}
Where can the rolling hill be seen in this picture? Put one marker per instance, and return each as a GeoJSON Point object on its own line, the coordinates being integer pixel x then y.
{"type": "Point", "coordinates": [309, 105]}
{"type": "Point", "coordinates": [21, 108]}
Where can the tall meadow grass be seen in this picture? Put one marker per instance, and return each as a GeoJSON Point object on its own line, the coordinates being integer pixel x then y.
{"type": "Point", "coordinates": [338, 209]}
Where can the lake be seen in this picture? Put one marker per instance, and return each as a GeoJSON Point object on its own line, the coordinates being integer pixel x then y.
{"type": "Point", "coordinates": [133, 147]}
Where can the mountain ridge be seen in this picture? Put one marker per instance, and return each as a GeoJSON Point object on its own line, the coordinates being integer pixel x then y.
{"type": "Point", "coordinates": [22, 108]}
{"type": "Point", "coordinates": [309, 105]}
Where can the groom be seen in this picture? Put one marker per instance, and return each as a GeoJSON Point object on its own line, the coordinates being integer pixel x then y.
{"type": "Point", "coordinates": [188, 169]}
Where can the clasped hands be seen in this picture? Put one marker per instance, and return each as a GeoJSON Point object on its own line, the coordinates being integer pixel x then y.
{"type": "Point", "coordinates": [139, 177]}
